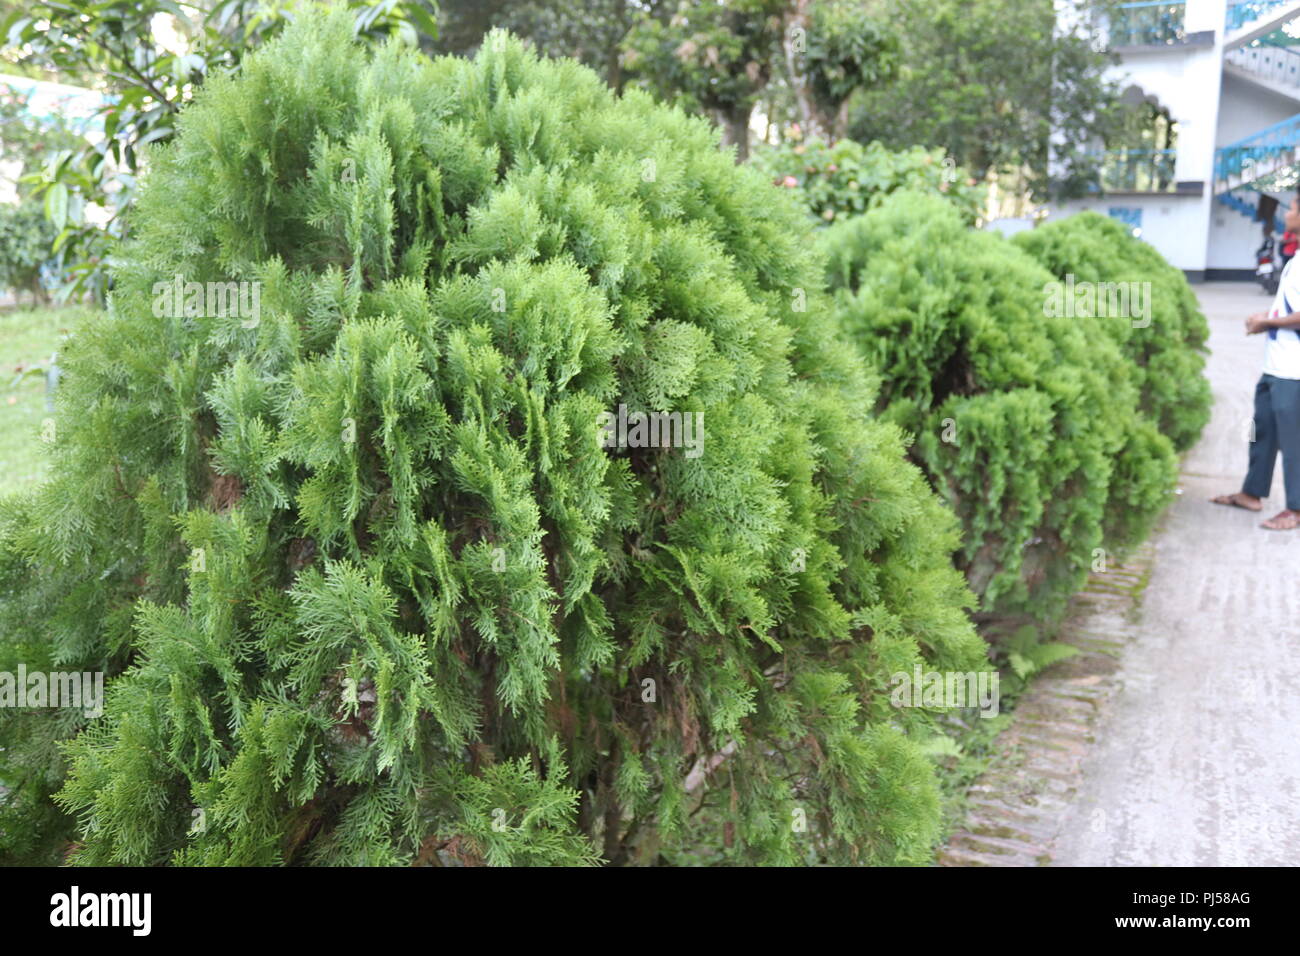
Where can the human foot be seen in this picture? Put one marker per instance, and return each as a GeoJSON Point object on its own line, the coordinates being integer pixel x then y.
{"type": "Point", "coordinates": [1283, 521]}
{"type": "Point", "coordinates": [1240, 499]}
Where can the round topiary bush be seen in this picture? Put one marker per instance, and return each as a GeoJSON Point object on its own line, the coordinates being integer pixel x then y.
{"type": "Point", "coordinates": [1028, 425]}
{"type": "Point", "coordinates": [1165, 347]}
{"type": "Point", "coordinates": [380, 563]}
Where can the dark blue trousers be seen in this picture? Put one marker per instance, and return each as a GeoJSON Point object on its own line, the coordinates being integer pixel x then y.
{"type": "Point", "coordinates": [1277, 428]}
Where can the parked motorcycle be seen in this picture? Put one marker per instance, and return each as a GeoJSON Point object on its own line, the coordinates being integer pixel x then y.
{"type": "Point", "coordinates": [1268, 264]}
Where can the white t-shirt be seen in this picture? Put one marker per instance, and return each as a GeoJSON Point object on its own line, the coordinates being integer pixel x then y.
{"type": "Point", "coordinates": [1282, 353]}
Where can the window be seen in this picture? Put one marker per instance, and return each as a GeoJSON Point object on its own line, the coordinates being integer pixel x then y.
{"type": "Point", "coordinates": [1129, 215]}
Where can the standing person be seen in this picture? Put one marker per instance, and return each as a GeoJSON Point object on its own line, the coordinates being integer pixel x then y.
{"type": "Point", "coordinates": [1277, 400]}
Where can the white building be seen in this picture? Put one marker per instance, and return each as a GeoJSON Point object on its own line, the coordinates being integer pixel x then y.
{"type": "Point", "coordinates": [1215, 87]}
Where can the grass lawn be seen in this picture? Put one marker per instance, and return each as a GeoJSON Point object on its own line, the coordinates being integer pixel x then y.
{"type": "Point", "coordinates": [27, 337]}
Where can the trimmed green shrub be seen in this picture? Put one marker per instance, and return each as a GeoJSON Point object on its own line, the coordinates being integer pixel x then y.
{"type": "Point", "coordinates": [369, 587]}
{"type": "Point", "coordinates": [846, 179]}
{"type": "Point", "coordinates": [1028, 426]}
{"type": "Point", "coordinates": [1167, 352]}
{"type": "Point", "coordinates": [26, 237]}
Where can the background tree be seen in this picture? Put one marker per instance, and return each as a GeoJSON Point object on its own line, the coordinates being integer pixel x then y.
{"type": "Point", "coordinates": [590, 31]}
{"type": "Point", "coordinates": [714, 57]}
{"type": "Point", "coordinates": [833, 49]}
{"type": "Point", "coordinates": [996, 84]}
{"type": "Point", "coordinates": [26, 237]}
{"type": "Point", "coordinates": [718, 58]}
{"type": "Point", "coordinates": [148, 73]}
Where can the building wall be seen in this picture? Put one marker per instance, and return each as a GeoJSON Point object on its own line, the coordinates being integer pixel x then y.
{"type": "Point", "coordinates": [1212, 108]}
{"type": "Point", "coordinates": [1244, 108]}
{"type": "Point", "coordinates": [1186, 81]}
{"type": "Point", "coordinates": [1233, 240]}
{"type": "Point", "coordinates": [1176, 225]}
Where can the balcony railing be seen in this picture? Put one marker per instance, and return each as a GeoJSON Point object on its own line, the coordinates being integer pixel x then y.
{"type": "Point", "coordinates": [1138, 170]}
{"type": "Point", "coordinates": [1259, 155]}
{"type": "Point", "coordinates": [1150, 23]}
{"type": "Point", "coordinates": [1239, 14]}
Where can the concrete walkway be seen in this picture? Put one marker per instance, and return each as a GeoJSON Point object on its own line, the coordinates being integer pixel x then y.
{"type": "Point", "coordinates": [1196, 760]}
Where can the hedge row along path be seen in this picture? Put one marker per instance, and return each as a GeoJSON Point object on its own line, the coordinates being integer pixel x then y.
{"type": "Point", "coordinates": [1184, 751]}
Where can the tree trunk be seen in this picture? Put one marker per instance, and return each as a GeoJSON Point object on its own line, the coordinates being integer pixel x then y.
{"type": "Point", "coordinates": [839, 126]}
{"type": "Point", "coordinates": [735, 130]}
{"type": "Point", "coordinates": [794, 43]}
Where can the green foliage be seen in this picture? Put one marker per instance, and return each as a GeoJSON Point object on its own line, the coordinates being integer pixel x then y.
{"type": "Point", "coordinates": [29, 343]}
{"type": "Point", "coordinates": [27, 233]}
{"type": "Point", "coordinates": [29, 140]}
{"type": "Point", "coordinates": [847, 51]}
{"type": "Point", "coordinates": [719, 57]}
{"type": "Point", "coordinates": [1029, 426]}
{"type": "Point", "coordinates": [590, 31]}
{"type": "Point", "coordinates": [115, 43]}
{"type": "Point", "coordinates": [1000, 85]}
{"type": "Point", "coordinates": [1027, 654]}
{"type": "Point", "coordinates": [361, 572]}
{"type": "Point", "coordinates": [1167, 353]}
{"type": "Point", "coordinates": [710, 57]}
{"type": "Point", "coordinates": [26, 236]}
{"type": "Point", "coordinates": [847, 179]}
{"type": "Point", "coordinates": [714, 55]}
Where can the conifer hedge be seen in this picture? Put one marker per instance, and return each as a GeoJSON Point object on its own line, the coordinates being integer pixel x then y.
{"type": "Point", "coordinates": [1168, 352]}
{"type": "Point", "coordinates": [366, 582]}
{"type": "Point", "coordinates": [1035, 429]}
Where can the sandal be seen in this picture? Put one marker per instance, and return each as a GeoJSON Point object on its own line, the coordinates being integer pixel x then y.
{"type": "Point", "coordinates": [1283, 521]}
{"type": "Point", "coordinates": [1234, 501]}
